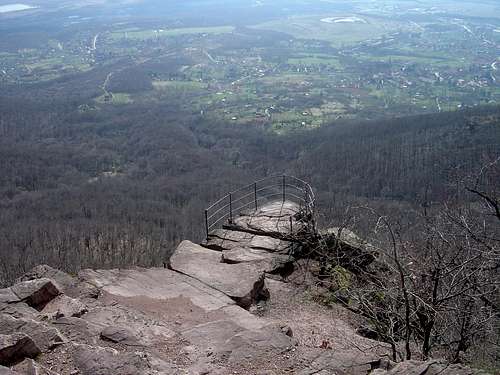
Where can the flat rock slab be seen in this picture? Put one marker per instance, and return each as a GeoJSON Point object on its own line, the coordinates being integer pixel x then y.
{"type": "Point", "coordinates": [244, 255]}
{"type": "Point", "coordinates": [224, 239]}
{"type": "Point", "coordinates": [273, 218]}
{"type": "Point", "coordinates": [157, 283]}
{"type": "Point", "coordinates": [278, 209]}
{"type": "Point", "coordinates": [346, 362]}
{"type": "Point", "coordinates": [254, 343]}
{"type": "Point", "coordinates": [160, 284]}
{"type": "Point", "coordinates": [20, 310]}
{"type": "Point", "coordinates": [78, 330]}
{"type": "Point", "coordinates": [262, 260]}
{"type": "Point", "coordinates": [95, 360]}
{"type": "Point", "coordinates": [212, 335]}
{"type": "Point", "coordinates": [241, 282]}
{"type": "Point", "coordinates": [129, 327]}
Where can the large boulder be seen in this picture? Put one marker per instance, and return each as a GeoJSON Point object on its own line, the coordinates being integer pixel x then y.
{"type": "Point", "coordinates": [36, 293]}
{"type": "Point", "coordinates": [242, 282]}
{"type": "Point", "coordinates": [16, 347]}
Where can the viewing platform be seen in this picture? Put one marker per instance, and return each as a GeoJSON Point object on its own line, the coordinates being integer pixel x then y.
{"type": "Point", "coordinates": [276, 206]}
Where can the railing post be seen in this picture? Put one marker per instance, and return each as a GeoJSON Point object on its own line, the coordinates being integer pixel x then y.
{"type": "Point", "coordinates": [306, 199]}
{"type": "Point", "coordinates": [255, 194]}
{"type": "Point", "coordinates": [230, 208]}
{"type": "Point", "coordinates": [284, 193]}
{"type": "Point", "coordinates": [206, 222]}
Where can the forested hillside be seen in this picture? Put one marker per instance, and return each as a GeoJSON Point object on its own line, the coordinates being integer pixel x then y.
{"type": "Point", "coordinates": [122, 185]}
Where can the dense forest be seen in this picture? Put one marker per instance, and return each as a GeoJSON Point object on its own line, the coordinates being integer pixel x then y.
{"type": "Point", "coordinates": [121, 185]}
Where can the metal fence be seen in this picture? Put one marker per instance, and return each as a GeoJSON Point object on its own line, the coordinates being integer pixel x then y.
{"type": "Point", "coordinates": [253, 196]}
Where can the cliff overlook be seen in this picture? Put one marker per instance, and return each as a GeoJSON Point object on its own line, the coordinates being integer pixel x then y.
{"type": "Point", "coordinates": [240, 303]}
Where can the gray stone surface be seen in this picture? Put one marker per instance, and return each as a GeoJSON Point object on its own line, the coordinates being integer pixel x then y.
{"type": "Point", "coordinates": [95, 360]}
{"type": "Point", "coordinates": [345, 362]}
{"type": "Point", "coordinates": [273, 218]}
{"type": "Point", "coordinates": [15, 347]}
{"type": "Point", "coordinates": [121, 335]}
{"type": "Point", "coordinates": [188, 319]}
{"type": "Point", "coordinates": [8, 371]}
{"type": "Point", "coordinates": [254, 343]}
{"type": "Point", "coordinates": [128, 326]}
{"type": "Point", "coordinates": [245, 255]}
{"type": "Point", "coordinates": [64, 306]}
{"type": "Point", "coordinates": [45, 336]}
{"type": "Point", "coordinates": [224, 239]}
{"type": "Point", "coordinates": [67, 284]}
{"type": "Point", "coordinates": [31, 367]}
{"type": "Point", "coordinates": [242, 282]}
{"type": "Point", "coordinates": [36, 293]}
{"type": "Point", "coordinates": [212, 335]}
{"type": "Point", "coordinates": [78, 330]}
{"type": "Point", "coordinates": [158, 284]}
{"type": "Point", "coordinates": [431, 367]}
{"type": "Point", "coordinates": [20, 310]}
{"type": "Point", "coordinates": [7, 296]}
{"type": "Point", "coordinates": [264, 261]}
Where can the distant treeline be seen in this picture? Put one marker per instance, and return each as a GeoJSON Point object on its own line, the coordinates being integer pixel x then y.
{"type": "Point", "coordinates": [121, 185]}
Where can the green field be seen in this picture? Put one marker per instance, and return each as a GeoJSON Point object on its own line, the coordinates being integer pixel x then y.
{"type": "Point", "coordinates": [338, 34]}
{"type": "Point", "coordinates": [138, 34]}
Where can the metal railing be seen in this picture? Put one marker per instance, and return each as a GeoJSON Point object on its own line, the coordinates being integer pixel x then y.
{"type": "Point", "coordinates": [252, 196]}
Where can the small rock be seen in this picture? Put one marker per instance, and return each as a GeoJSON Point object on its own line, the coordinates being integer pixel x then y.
{"type": "Point", "coordinates": [36, 293]}
{"type": "Point", "coordinates": [45, 336]}
{"type": "Point", "coordinates": [16, 347]}
{"type": "Point", "coordinates": [64, 306]}
{"type": "Point", "coordinates": [30, 367]}
{"type": "Point", "coordinates": [287, 330]}
{"type": "Point", "coordinates": [120, 335]}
